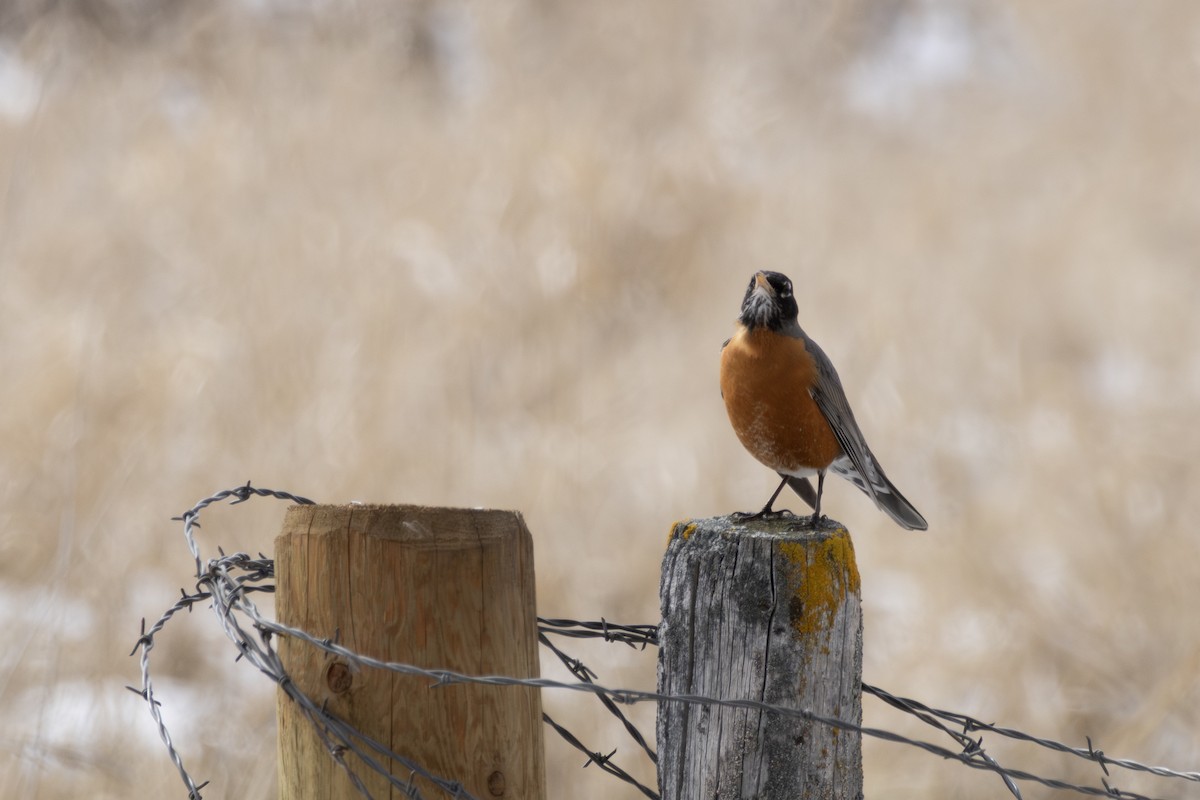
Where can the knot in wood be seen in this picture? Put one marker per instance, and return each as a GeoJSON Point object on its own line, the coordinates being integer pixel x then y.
{"type": "Point", "coordinates": [496, 784]}
{"type": "Point", "coordinates": [338, 677]}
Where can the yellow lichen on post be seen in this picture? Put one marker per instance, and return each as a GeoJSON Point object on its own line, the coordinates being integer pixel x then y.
{"type": "Point", "coordinates": [681, 530]}
{"type": "Point", "coordinates": [820, 578]}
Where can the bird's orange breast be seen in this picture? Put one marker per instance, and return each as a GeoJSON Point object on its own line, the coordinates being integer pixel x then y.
{"type": "Point", "coordinates": [767, 380]}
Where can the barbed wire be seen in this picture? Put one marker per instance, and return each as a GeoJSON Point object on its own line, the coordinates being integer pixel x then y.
{"type": "Point", "coordinates": [229, 581]}
{"type": "Point", "coordinates": [644, 635]}
{"type": "Point", "coordinates": [647, 636]}
{"type": "Point", "coordinates": [580, 671]}
{"type": "Point", "coordinates": [970, 724]}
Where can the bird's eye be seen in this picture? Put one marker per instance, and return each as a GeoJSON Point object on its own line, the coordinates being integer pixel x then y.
{"type": "Point", "coordinates": [786, 291]}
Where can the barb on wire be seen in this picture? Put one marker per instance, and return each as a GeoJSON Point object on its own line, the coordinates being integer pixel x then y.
{"type": "Point", "coordinates": [631, 635]}
{"type": "Point", "coordinates": [240, 494]}
{"type": "Point", "coordinates": [602, 761]}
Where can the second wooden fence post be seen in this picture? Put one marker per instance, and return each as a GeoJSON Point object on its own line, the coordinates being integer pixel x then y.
{"type": "Point", "coordinates": [760, 612]}
{"type": "Point", "coordinates": [439, 588]}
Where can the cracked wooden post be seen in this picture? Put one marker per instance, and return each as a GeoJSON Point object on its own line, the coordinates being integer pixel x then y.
{"type": "Point", "coordinates": [434, 587]}
{"type": "Point", "coordinates": [767, 611]}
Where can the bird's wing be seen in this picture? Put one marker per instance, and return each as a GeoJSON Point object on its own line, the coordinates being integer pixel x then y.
{"type": "Point", "coordinates": [830, 397]}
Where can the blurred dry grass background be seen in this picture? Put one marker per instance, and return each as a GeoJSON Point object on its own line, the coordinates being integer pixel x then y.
{"type": "Point", "coordinates": [485, 254]}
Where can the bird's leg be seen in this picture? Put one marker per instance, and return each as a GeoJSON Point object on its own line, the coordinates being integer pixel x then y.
{"type": "Point", "coordinates": [766, 510]}
{"type": "Point", "coordinates": [816, 517]}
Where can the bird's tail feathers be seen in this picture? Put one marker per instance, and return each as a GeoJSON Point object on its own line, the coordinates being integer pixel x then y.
{"type": "Point", "coordinates": [802, 487]}
{"type": "Point", "coordinates": [883, 492]}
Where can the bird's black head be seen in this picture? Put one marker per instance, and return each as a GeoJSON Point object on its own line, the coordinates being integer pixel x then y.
{"type": "Point", "coordinates": [768, 301]}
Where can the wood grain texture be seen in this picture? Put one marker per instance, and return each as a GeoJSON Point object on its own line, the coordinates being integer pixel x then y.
{"type": "Point", "coordinates": [434, 587]}
{"type": "Point", "coordinates": [765, 611]}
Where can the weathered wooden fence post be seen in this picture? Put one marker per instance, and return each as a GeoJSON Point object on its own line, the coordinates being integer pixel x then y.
{"type": "Point", "coordinates": [434, 587]}
{"type": "Point", "coordinates": [760, 611]}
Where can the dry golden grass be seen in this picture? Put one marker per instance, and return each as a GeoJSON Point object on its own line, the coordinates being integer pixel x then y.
{"type": "Point", "coordinates": [485, 254]}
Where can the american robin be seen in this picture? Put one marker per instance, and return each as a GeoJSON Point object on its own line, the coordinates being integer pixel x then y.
{"type": "Point", "coordinates": [788, 407]}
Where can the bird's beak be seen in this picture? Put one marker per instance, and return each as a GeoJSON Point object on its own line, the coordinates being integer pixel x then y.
{"type": "Point", "coordinates": [761, 284]}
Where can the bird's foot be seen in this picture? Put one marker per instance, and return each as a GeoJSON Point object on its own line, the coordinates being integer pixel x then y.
{"type": "Point", "coordinates": [765, 514]}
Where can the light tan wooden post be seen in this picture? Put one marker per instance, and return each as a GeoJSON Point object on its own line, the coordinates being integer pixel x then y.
{"type": "Point", "coordinates": [433, 587]}
{"type": "Point", "coordinates": [765, 611]}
